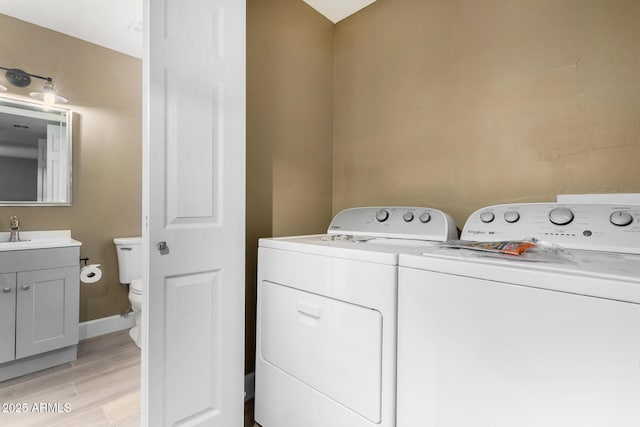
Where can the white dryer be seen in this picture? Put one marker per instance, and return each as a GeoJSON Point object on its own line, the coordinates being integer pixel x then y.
{"type": "Point", "coordinates": [550, 338]}
{"type": "Point", "coordinates": [326, 318]}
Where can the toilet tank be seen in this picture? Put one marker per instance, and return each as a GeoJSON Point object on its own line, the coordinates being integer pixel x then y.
{"type": "Point", "coordinates": [129, 250]}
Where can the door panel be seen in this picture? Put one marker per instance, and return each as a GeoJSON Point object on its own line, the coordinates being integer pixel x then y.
{"type": "Point", "coordinates": [193, 305]}
{"type": "Point", "coordinates": [192, 163]}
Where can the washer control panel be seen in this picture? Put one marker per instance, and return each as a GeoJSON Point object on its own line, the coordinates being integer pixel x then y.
{"type": "Point", "coordinates": [399, 222]}
{"type": "Point", "coordinates": [598, 227]}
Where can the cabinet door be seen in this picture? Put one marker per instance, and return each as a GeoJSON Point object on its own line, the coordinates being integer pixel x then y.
{"type": "Point", "coordinates": [47, 310]}
{"type": "Point", "coordinates": [7, 317]}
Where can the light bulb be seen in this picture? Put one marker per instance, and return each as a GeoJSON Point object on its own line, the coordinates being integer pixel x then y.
{"type": "Point", "coordinates": [48, 95]}
{"type": "Point", "coordinates": [49, 98]}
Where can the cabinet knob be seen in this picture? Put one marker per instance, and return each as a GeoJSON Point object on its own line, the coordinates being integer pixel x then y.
{"type": "Point", "coordinates": [26, 287]}
{"type": "Point", "coordinates": [6, 290]}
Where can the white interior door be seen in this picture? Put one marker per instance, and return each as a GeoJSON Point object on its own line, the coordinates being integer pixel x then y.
{"type": "Point", "coordinates": [194, 195]}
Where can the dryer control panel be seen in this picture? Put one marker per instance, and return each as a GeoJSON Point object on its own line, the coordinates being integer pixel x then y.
{"type": "Point", "coordinates": [398, 222]}
{"type": "Point", "coordinates": [598, 227]}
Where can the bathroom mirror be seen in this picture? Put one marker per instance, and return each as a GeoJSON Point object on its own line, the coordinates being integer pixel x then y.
{"type": "Point", "coordinates": [35, 154]}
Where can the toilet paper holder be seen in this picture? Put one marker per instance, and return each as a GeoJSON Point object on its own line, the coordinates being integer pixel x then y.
{"type": "Point", "coordinates": [90, 273]}
{"type": "Point", "coordinates": [86, 261]}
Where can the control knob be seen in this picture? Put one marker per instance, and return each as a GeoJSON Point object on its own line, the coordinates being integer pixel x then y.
{"type": "Point", "coordinates": [561, 216]}
{"type": "Point", "coordinates": [408, 217]}
{"type": "Point", "coordinates": [487, 217]}
{"type": "Point", "coordinates": [511, 216]}
{"type": "Point", "coordinates": [424, 217]}
{"type": "Point", "coordinates": [621, 218]}
{"type": "Point", "coordinates": [382, 215]}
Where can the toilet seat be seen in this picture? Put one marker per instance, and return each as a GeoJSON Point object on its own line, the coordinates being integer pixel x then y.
{"type": "Point", "coordinates": [135, 298]}
{"type": "Point", "coordinates": [136, 286]}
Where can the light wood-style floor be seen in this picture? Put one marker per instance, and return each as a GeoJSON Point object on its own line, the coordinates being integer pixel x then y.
{"type": "Point", "coordinates": [101, 388]}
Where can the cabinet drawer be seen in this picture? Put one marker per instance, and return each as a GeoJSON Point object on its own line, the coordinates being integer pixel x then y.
{"type": "Point", "coordinates": [37, 259]}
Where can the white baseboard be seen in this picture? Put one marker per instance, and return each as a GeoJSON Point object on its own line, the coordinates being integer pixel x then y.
{"type": "Point", "coordinates": [106, 325]}
{"type": "Point", "coordinates": [249, 386]}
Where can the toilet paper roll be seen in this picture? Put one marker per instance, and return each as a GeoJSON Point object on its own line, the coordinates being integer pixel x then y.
{"type": "Point", "coordinates": [90, 273]}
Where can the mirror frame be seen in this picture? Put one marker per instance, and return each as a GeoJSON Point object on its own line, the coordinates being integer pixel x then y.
{"type": "Point", "coordinates": [39, 107]}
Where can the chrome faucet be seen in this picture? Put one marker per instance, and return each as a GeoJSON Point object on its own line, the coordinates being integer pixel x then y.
{"type": "Point", "coordinates": [14, 228]}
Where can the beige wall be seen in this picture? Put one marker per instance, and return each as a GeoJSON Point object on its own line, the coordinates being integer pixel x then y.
{"type": "Point", "coordinates": [451, 104]}
{"type": "Point", "coordinates": [289, 114]}
{"type": "Point", "coordinates": [462, 104]}
{"type": "Point", "coordinates": [104, 91]}
{"type": "Point", "coordinates": [289, 104]}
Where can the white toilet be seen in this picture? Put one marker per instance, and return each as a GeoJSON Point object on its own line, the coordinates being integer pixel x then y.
{"type": "Point", "coordinates": [129, 250]}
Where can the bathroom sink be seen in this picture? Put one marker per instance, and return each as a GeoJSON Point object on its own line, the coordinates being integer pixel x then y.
{"type": "Point", "coordinates": [38, 240]}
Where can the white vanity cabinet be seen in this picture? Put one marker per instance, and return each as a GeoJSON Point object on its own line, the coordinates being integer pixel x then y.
{"type": "Point", "coordinates": [39, 307]}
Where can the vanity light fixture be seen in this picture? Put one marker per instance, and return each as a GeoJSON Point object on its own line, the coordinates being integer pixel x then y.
{"type": "Point", "coordinates": [20, 78]}
{"type": "Point", "coordinates": [48, 95]}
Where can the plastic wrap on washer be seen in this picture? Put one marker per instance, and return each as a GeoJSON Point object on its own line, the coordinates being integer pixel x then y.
{"type": "Point", "coordinates": [529, 249]}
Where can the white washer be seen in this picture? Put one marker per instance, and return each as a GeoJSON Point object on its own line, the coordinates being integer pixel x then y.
{"type": "Point", "coordinates": [548, 339]}
{"type": "Point", "coordinates": [326, 318]}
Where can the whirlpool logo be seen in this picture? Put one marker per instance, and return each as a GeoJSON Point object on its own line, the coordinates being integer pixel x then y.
{"type": "Point", "coordinates": [476, 232]}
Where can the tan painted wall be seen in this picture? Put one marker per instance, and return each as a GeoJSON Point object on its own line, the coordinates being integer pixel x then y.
{"type": "Point", "coordinates": [289, 104]}
{"type": "Point", "coordinates": [104, 91]}
{"type": "Point", "coordinates": [448, 104]}
{"type": "Point", "coordinates": [462, 104]}
{"type": "Point", "coordinates": [289, 85]}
